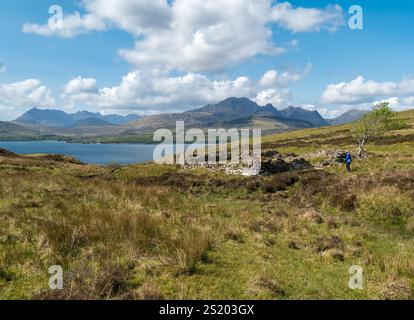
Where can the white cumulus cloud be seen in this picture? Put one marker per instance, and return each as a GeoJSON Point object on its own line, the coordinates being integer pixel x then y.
{"type": "Point", "coordinates": [409, 101]}
{"type": "Point", "coordinates": [72, 25]}
{"type": "Point", "coordinates": [308, 19]}
{"type": "Point", "coordinates": [276, 97]}
{"type": "Point", "coordinates": [360, 91]}
{"type": "Point", "coordinates": [80, 85]}
{"type": "Point", "coordinates": [195, 35]}
{"type": "Point", "coordinates": [136, 17]}
{"type": "Point", "coordinates": [206, 35]}
{"type": "Point", "coordinates": [25, 94]}
{"type": "Point", "coordinates": [276, 78]}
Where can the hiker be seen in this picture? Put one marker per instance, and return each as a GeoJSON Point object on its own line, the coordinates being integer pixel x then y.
{"type": "Point", "coordinates": [348, 161]}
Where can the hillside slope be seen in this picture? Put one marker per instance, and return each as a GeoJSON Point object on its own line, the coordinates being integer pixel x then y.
{"type": "Point", "coordinates": [267, 123]}
{"type": "Point", "coordinates": [302, 114]}
{"type": "Point", "coordinates": [11, 131]}
{"type": "Point", "coordinates": [347, 117]}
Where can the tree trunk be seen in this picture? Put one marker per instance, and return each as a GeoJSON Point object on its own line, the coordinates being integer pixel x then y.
{"type": "Point", "coordinates": [361, 149]}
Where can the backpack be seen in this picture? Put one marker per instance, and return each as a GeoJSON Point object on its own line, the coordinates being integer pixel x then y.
{"type": "Point", "coordinates": [341, 157]}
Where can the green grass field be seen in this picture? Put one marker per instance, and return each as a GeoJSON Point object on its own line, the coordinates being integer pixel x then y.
{"type": "Point", "coordinates": [155, 232]}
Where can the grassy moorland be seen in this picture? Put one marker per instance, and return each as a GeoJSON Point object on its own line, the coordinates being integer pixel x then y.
{"type": "Point", "coordinates": [153, 232]}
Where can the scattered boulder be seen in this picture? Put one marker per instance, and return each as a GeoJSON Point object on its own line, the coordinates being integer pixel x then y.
{"type": "Point", "coordinates": [300, 164]}
{"type": "Point", "coordinates": [330, 157]}
{"type": "Point", "coordinates": [270, 167]}
{"type": "Point", "coordinates": [272, 162]}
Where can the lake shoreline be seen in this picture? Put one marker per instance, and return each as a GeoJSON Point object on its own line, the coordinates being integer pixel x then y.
{"type": "Point", "coordinates": [126, 139]}
{"type": "Point", "coordinates": [91, 153]}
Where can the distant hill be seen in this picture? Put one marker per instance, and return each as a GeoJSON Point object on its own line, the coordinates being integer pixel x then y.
{"type": "Point", "coordinates": [232, 112]}
{"type": "Point", "coordinates": [229, 108]}
{"type": "Point", "coordinates": [120, 120]}
{"type": "Point", "coordinates": [267, 123]}
{"type": "Point", "coordinates": [111, 118]}
{"type": "Point", "coordinates": [52, 118]}
{"type": "Point", "coordinates": [347, 117]}
{"type": "Point", "coordinates": [302, 114]}
{"type": "Point", "coordinates": [91, 122]}
{"type": "Point", "coordinates": [11, 131]}
{"type": "Point", "coordinates": [60, 119]}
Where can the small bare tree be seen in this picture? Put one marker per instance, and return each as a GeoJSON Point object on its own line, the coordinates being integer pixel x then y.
{"type": "Point", "coordinates": [378, 121]}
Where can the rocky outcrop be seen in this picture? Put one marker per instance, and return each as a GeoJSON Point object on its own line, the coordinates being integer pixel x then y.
{"type": "Point", "coordinates": [272, 163]}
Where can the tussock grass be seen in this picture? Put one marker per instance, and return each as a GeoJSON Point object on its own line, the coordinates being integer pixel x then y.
{"type": "Point", "coordinates": [155, 232]}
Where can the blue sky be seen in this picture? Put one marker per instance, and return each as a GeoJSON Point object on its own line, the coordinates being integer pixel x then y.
{"type": "Point", "coordinates": [150, 56]}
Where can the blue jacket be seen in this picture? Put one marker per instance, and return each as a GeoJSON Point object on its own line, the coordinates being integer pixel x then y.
{"type": "Point", "coordinates": [348, 158]}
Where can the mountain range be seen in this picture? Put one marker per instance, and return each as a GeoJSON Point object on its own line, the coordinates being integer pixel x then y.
{"type": "Point", "coordinates": [234, 113]}
{"type": "Point", "coordinates": [229, 113]}
{"type": "Point", "coordinates": [60, 119]}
